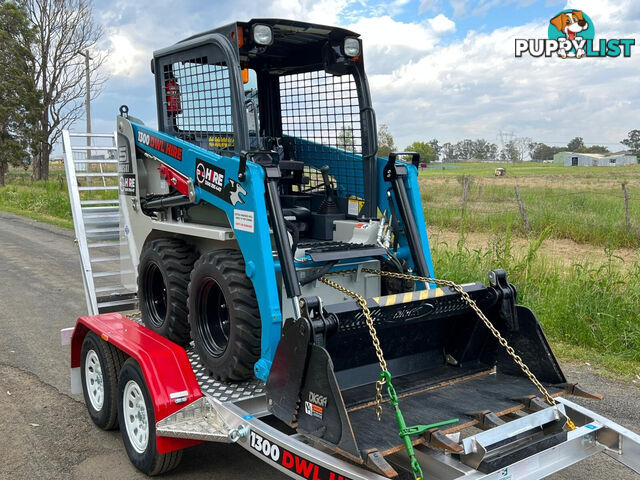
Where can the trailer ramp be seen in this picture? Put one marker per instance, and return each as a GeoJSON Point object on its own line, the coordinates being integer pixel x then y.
{"type": "Point", "coordinates": [91, 167]}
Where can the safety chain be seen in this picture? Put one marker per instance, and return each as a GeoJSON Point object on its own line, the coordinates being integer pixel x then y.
{"type": "Point", "coordinates": [374, 336]}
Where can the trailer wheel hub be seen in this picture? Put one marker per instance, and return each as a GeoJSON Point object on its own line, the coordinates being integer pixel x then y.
{"type": "Point", "coordinates": [135, 416]}
{"type": "Point", "coordinates": [93, 380]}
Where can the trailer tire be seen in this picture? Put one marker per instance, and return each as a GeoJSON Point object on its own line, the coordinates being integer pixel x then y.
{"type": "Point", "coordinates": [224, 315]}
{"type": "Point", "coordinates": [138, 424]}
{"type": "Point", "coordinates": [100, 363]}
{"type": "Point", "coordinates": [163, 277]}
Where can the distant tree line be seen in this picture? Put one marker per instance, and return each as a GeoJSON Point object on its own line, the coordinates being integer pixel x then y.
{"type": "Point", "coordinates": [516, 150]}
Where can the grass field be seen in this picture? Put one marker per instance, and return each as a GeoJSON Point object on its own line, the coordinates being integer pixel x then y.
{"type": "Point", "coordinates": [44, 201]}
{"type": "Point", "coordinates": [584, 204]}
{"type": "Point", "coordinates": [590, 309]}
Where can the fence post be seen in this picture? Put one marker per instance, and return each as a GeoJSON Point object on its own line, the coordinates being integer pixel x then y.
{"type": "Point", "coordinates": [627, 217]}
{"type": "Point", "coordinates": [523, 213]}
{"type": "Point", "coordinates": [465, 191]}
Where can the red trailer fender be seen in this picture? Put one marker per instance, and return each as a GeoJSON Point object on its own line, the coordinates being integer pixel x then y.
{"type": "Point", "coordinates": [167, 371]}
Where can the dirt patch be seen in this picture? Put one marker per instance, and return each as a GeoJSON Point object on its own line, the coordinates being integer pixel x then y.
{"type": "Point", "coordinates": [563, 182]}
{"type": "Point", "coordinates": [558, 249]}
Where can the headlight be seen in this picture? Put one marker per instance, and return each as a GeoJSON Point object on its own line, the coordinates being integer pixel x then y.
{"type": "Point", "coordinates": [351, 47]}
{"type": "Point", "coordinates": [262, 34]}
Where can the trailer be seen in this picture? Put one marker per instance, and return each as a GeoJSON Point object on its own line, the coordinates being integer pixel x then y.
{"type": "Point", "coordinates": [256, 275]}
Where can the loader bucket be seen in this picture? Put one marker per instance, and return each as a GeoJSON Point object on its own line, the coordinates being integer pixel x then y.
{"type": "Point", "coordinates": [444, 361]}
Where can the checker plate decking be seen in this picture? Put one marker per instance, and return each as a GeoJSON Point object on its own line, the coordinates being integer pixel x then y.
{"type": "Point", "coordinates": [223, 391]}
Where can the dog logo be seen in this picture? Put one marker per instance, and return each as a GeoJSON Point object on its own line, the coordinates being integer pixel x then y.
{"type": "Point", "coordinates": [232, 192]}
{"type": "Point", "coordinates": [571, 26]}
{"type": "Point", "coordinates": [571, 34]}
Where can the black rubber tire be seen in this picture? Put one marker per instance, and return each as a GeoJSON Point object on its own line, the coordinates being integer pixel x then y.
{"type": "Point", "coordinates": [110, 359]}
{"type": "Point", "coordinates": [149, 461]}
{"type": "Point", "coordinates": [223, 271]}
{"type": "Point", "coordinates": [163, 277]}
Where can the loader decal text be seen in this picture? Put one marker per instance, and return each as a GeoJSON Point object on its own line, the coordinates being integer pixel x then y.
{"type": "Point", "coordinates": [210, 177]}
{"type": "Point", "coordinates": [160, 145]}
{"type": "Point", "coordinates": [294, 463]}
{"type": "Point", "coordinates": [127, 184]}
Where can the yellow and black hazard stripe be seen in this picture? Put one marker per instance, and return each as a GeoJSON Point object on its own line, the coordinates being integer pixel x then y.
{"type": "Point", "coordinates": [398, 298]}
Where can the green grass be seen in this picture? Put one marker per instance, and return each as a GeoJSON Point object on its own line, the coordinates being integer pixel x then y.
{"type": "Point", "coordinates": [44, 201]}
{"type": "Point", "coordinates": [527, 169]}
{"type": "Point", "coordinates": [593, 308]}
{"type": "Point", "coordinates": [584, 204]}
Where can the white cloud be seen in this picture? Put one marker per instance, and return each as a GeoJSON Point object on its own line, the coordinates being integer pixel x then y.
{"type": "Point", "coordinates": [427, 5]}
{"type": "Point", "coordinates": [442, 24]}
{"type": "Point", "coordinates": [389, 44]}
{"type": "Point", "coordinates": [125, 59]}
{"type": "Point", "coordinates": [459, 7]}
{"type": "Point", "coordinates": [475, 86]}
{"type": "Point", "coordinates": [326, 12]}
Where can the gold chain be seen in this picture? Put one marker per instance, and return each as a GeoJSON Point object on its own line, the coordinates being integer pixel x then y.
{"type": "Point", "coordinates": [374, 336]}
{"type": "Point", "coordinates": [467, 298]}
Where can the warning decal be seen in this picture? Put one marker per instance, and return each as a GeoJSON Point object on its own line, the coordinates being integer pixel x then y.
{"type": "Point", "coordinates": [243, 220]}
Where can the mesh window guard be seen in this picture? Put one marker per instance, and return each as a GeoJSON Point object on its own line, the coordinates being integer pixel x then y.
{"type": "Point", "coordinates": [321, 122]}
{"type": "Point", "coordinates": [197, 102]}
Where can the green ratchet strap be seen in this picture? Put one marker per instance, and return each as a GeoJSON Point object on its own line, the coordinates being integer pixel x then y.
{"type": "Point", "coordinates": [406, 432]}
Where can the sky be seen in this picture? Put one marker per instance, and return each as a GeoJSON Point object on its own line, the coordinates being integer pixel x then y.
{"type": "Point", "coordinates": [441, 69]}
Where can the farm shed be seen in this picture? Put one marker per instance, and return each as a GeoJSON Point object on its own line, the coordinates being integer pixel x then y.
{"type": "Point", "coordinates": [573, 159]}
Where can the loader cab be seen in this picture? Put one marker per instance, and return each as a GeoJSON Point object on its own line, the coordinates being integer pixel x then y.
{"type": "Point", "coordinates": [294, 88]}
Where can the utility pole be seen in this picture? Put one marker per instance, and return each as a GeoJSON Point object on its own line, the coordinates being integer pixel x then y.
{"type": "Point", "coordinates": [87, 98]}
{"type": "Point", "coordinates": [87, 104]}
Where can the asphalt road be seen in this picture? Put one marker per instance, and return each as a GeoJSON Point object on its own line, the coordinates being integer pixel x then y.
{"type": "Point", "coordinates": [46, 432]}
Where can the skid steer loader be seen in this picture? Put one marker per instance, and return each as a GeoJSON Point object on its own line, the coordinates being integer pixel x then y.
{"type": "Point", "coordinates": [262, 226]}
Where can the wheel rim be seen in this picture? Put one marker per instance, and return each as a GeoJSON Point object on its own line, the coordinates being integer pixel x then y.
{"type": "Point", "coordinates": [156, 295]}
{"type": "Point", "coordinates": [213, 318]}
{"type": "Point", "coordinates": [135, 416]}
{"type": "Point", "coordinates": [93, 380]}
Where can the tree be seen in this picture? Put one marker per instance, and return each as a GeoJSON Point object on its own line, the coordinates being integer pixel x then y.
{"type": "Point", "coordinates": [436, 148]}
{"type": "Point", "coordinates": [633, 141]}
{"type": "Point", "coordinates": [427, 154]}
{"type": "Point", "coordinates": [523, 145]}
{"type": "Point", "coordinates": [510, 152]}
{"type": "Point", "coordinates": [448, 152]}
{"type": "Point", "coordinates": [575, 144]}
{"type": "Point", "coordinates": [345, 138]}
{"type": "Point", "coordinates": [541, 151]}
{"type": "Point", "coordinates": [386, 144]}
{"type": "Point", "coordinates": [63, 30]}
{"type": "Point", "coordinates": [19, 100]}
{"type": "Point", "coordinates": [484, 150]}
{"type": "Point", "coordinates": [593, 149]}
